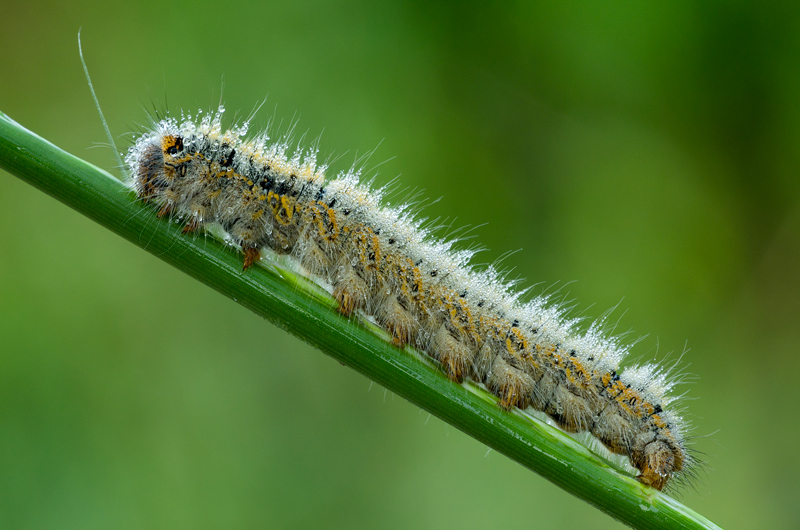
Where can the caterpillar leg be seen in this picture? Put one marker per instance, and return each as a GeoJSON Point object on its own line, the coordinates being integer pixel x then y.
{"type": "Point", "coordinates": [351, 292]}
{"type": "Point", "coordinates": [192, 226]}
{"type": "Point", "coordinates": [455, 356]}
{"type": "Point", "coordinates": [397, 321]}
{"type": "Point", "coordinates": [251, 255]}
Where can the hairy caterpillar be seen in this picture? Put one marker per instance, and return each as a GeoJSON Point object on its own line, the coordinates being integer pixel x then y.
{"type": "Point", "coordinates": [379, 260]}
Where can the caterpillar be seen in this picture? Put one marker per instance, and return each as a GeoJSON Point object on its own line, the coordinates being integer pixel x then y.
{"type": "Point", "coordinates": [380, 261]}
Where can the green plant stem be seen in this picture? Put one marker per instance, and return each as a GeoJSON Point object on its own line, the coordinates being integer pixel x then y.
{"type": "Point", "coordinates": [273, 293]}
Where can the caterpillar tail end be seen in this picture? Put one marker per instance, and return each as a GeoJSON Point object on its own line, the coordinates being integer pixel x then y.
{"type": "Point", "coordinates": [660, 463]}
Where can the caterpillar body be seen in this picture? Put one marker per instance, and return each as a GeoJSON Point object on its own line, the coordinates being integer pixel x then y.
{"type": "Point", "coordinates": [380, 261]}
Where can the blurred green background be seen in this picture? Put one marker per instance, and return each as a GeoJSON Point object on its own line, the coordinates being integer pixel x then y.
{"type": "Point", "coordinates": [649, 154]}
